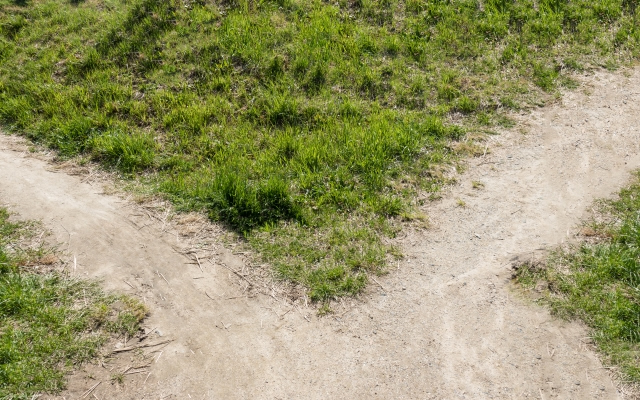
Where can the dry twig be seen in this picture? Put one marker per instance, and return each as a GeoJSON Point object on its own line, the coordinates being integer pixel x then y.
{"type": "Point", "coordinates": [88, 392]}
{"type": "Point", "coordinates": [379, 284]}
{"type": "Point", "coordinates": [141, 346]}
{"type": "Point", "coordinates": [198, 260]}
{"type": "Point", "coordinates": [239, 275]}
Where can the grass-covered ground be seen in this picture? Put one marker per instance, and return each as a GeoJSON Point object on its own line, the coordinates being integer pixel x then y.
{"type": "Point", "coordinates": [598, 281]}
{"type": "Point", "coordinates": [306, 126]}
{"type": "Point", "coordinates": [49, 323]}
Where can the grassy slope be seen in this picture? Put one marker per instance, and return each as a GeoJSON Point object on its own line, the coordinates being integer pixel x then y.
{"type": "Point", "coordinates": [306, 126]}
{"type": "Point", "coordinates": [49, 323]}
{"type": "Point", "coordinates": [599, 283]}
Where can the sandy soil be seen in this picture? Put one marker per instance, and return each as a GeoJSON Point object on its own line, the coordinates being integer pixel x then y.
{"type": "Point", "coordinates": [446, 324]}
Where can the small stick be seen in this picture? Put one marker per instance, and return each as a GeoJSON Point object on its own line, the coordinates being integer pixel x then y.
{"type": "Point", "coordinates": [150, 217]}
{"type": "Point", "coordinates": [69, 239]}
{"type": "Point", "coordinates": [135, 372]}
{"type": "Point", "coordinates": [144, 226]}
{"type": "Point", "coordinates": [379, 284]}
{"type": "Point", "coordinates": [282, 316]}
{"type": "Point", "coordinates": [142, 346]}
{"type": "Point", "coordinates": [165, 279]}
{"type": "Point", "coordinates": [94, 395]}
{"type": "Point", "coordinates": [88, 392]}
{"type": "Point", "coordinates": [303, 316]}
{"type": "Point", "coordinates": [157, 350]}
{"type": "Point", "coordinates": [145, 379]}
{"type": "Point", "coordinates": [129, 284]}
{"type": "Point", "coordinates": [205, 292]}
{"type": "Point", "coordinates": [238, 274]}
{"type": "Point", "coordinates": [274, 297]}
{"type": "Point", "coordinates": [88, 177]}
{"type": "Point", "coordinates": [143, 337]}
{"type": "Point", "coordinates": [198, 260]}
{"type": "Point", "coordinates": [158, 357]}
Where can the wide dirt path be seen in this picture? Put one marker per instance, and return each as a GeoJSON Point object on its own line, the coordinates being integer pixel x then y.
{"type": "Point", "coordinates": [444, 325]}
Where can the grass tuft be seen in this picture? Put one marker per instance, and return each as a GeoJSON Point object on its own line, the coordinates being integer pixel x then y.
{"type": "Point", "coordinates": [597, 282]}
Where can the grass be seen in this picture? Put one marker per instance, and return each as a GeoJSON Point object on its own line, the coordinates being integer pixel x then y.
{"type": "Point", "coordinates": [49, 323]}
{"type": "Point", "coordinates": [305, 126]}
{"type": "Point", "coordinates": [477, 185]}
{"type": "Point", "coordinates": [598, 281]}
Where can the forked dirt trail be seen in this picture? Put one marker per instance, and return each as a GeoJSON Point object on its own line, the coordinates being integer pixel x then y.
{"type": "Point", "coordinates": [445, 325]}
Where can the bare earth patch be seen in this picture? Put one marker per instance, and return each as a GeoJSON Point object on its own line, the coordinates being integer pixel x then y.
{"type": "Point", "coordinates": [445, 325]}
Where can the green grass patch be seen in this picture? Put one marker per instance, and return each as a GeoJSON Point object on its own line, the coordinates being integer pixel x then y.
{"type": "Point", "coordinates": [598, 282]}
{"type": "Point", "coordinates": [50, 323]}
{"type": "Point", "coordinates": [285, 118]}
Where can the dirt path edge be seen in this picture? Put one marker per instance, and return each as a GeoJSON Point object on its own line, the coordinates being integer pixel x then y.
{"type": "Point", "coordinates": [446, 325]}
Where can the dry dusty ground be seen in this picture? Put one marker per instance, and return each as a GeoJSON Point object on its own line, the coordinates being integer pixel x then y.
{"type": "Point", "coordinates": [445, 325]}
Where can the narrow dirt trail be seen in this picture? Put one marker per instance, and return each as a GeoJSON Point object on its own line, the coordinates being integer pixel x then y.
{"type": "Point", "coordinates": [445, 325]}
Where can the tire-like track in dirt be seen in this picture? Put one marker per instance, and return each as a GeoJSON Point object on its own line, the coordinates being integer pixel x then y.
{"type": "Point", "coordinates": [446, 325]}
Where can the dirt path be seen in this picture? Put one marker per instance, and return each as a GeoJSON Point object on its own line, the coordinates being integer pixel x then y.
{"type": "Point", "coordinates": [446, 325]}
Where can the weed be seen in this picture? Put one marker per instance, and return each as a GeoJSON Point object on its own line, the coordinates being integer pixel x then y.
{"type": "Point", "coordinates": [117, 378]}
{"type": "Point", "coordinates": [325, 309]}
{"type": "Point", "coordinates": [477, 185]}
